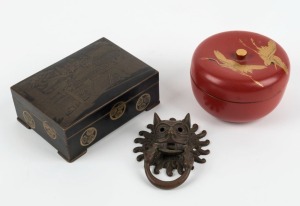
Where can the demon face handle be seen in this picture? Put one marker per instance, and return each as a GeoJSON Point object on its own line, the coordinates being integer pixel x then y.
{"type": "Point", "coordinates": [171, 144]}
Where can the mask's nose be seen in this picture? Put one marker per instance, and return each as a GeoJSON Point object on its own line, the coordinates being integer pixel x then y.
{"type": "Point", "coordinates": [171, 135]}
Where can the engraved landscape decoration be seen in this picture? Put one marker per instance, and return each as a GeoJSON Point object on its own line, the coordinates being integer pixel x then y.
{"type": "Point", "coordinates": [266, 53]}
{"type": "Point", "coordinates": [71, 88]}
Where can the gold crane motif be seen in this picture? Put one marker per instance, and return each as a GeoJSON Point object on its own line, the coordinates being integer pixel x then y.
{"type": "Point", "coordinates": [244, 70]}
{"type": "Point", "coordinates": [267, 54]}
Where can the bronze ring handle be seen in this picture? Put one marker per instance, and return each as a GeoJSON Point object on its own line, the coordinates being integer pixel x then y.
{"type": "Point", "coordinates": [166, 184]}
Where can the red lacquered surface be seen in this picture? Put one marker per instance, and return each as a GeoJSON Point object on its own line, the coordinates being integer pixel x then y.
{"type": "Point", "coordinates": [239, 88]}
{"type": "Point", "coordinates": [235, 112]}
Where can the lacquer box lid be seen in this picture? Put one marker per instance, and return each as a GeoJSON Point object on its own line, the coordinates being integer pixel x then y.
{"type": "Point", "coordinates": [240, 66]}
{"type": "Point", "coordinates": [81, 84]}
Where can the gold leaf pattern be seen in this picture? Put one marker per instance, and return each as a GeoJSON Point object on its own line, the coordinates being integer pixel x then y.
{"type": "Point", "coordinates": [236, 67]}
{"type": "Point", "coordinates": [267, 54]}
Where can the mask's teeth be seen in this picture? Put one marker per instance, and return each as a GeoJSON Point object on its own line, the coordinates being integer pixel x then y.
{"type": "Point", "coordinates": [170, 146]}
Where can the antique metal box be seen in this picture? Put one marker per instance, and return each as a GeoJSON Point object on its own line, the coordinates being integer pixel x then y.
{"type": "Point", "coordinates": [239, 76]}
{"type": "Point", "coordinates": [77, 101]}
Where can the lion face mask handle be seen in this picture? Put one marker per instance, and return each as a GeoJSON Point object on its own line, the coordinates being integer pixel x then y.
{"type": "Point", "coordinates": [172, 144]}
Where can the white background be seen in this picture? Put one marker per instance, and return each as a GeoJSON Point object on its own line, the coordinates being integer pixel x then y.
{"type": "Point", "coordinates": [250, 164]}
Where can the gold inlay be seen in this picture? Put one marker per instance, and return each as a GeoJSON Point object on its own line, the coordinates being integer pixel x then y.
{"type": "Point", "coordinates": [88, 136]}
{"type": "Point", "coordinates": [49, 130]}
{"type": "Point", "coordinates": [117, 111]}
{"type": "Point", "coordinates": [266, 53]}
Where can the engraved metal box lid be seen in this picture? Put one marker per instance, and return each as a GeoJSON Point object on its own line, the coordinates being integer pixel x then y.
{"type": "Point", "coordinates": [72, 93]}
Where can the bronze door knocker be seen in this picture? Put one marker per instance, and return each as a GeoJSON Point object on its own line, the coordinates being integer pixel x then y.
{"type": "Point", "coordinates": [172, 144]}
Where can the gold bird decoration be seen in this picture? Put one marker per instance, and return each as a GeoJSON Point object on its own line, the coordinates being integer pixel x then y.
{"type": "Point", "coordinates": [267, 54]}
{"type": "Point", "coordinates": [244, 70]}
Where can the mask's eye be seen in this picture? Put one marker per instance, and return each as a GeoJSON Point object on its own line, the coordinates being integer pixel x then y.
{"type": "Point", "coordinates": [181, 129]}
{"type": "Point", "coordinates": [162, 128]}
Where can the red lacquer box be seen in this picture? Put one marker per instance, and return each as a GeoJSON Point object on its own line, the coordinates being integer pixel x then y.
{"type": "Point", "coordinates": [239, 76]}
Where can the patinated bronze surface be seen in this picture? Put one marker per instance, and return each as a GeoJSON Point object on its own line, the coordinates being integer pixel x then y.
{"type": "Point", "coordinates": [173, 145]}
{"type": "Point", "coordinates": [83, 97]}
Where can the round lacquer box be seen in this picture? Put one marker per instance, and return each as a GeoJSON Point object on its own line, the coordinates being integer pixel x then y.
{"type": "Point", "coordinates": [239, 76]}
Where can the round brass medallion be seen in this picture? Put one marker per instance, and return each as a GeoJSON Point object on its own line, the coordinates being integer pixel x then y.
{"type": "Point", "coordinates": [28, 119]}
{"type": "Point", "coordinates": [117, 111]}
{"type": "Point", "coordinates": [88, 136]}
{"type": "Point", "coordinates": [143, 102]}
{"type": "Point", "coordinates": [49, 130]}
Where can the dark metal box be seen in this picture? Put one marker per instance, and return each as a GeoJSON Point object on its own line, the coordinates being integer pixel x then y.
{"type": "Point", "coordinates": [77, 101]}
